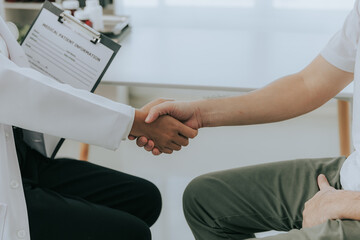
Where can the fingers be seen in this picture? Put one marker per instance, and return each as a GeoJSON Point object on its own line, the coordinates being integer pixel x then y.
{"type": "Point", "coordinates": [167, 150]}
{"type": "Point", "coordinates": [174, 146]}
{"type": "Point", "coordinates": [156, 151]}
{"type": "Point", "coordinates": [188, 132]}
{"type": "Point", "coordinates": [141, 141]}
{"type": "Point", "coordinates": [158, 101]}
{"type": "Point", "coordinates": [144, 142]}
{"type": "Point", "coordinates": [131, 137]}
{"type": "Point", "coordinates": [152, 116]}
{"type": "Point", "coordinates": [181, 140]}
{"type": "Point", "coordinates": [149, 146]}
{"type": "Point", "coordinates": [323, 182]}
{"type": "Point", "coordinates": [158, 110]}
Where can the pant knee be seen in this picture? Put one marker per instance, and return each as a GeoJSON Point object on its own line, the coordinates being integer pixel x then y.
{"type": "Point", "coordinates": [141, 231]}
{"type": "Point", "coordinates": [133, 229]}
{"type": "Point", "coordinates": [153, 202]}
{"type": "Point", "coordinates": [195, 196]}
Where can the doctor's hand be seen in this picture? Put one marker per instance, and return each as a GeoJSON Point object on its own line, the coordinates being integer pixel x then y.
{"type": "Point", "coordinates": [185, 112]}
{"type": "Point", "coordinates": [167, 133]}
{"type": "Point", "coordinates": [142, 141]}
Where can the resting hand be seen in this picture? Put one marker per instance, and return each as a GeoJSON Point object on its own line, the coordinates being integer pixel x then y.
{"type": "Point", "coordinates": [167, 133]}
{"type": "Point", "coordinates": [326, 204]}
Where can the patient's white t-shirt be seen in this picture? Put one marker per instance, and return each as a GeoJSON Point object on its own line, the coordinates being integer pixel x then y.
{"type": "Point", "coordinates": [342, 51]}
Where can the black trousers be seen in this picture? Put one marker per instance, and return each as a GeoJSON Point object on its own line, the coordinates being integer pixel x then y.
{"type": "Point", "coordinates": [74, 200]}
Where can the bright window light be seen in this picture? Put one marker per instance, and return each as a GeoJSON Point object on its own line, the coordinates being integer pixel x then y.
{"type": "Point", "coordinates": [140, 3]}
{"type": "Point", "coordinates": [314, 4]}
{"type": "Point", "coordinates": [211, 3]}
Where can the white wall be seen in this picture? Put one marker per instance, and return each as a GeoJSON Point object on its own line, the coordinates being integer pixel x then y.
{"type": "Point", "coordinates": [286, 15]}
{"type": "Point", "coordinates": [2, 12]}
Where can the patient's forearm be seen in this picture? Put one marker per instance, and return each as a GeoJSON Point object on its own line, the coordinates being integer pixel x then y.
{"type": "Point", "coordinates": [283, 99]}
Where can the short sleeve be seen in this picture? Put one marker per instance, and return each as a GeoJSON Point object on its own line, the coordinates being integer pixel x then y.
{"type": "Point", "coordinates": [341, 49]}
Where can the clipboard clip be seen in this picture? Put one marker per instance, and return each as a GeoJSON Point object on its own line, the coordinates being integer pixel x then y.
{"type": "Point", "coordinates": [80, 26]}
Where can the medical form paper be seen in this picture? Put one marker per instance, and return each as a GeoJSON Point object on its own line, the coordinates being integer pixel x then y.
{"type": "Point", "coordinates": [68, 51]}
{"type": "Point", "coordinates": [54, 49]}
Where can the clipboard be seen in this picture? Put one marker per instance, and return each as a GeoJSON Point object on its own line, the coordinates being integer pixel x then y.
{"type": "Point", "coordinates": [62, 47]}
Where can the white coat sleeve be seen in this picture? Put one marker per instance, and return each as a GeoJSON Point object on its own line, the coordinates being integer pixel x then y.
{"type": "Point", "coordinates": [33, 101]}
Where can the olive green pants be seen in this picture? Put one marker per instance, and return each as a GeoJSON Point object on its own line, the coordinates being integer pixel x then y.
{"type": "Point", "coordinates": [237, 203]}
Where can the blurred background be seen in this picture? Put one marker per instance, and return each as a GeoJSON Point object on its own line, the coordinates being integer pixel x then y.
{"type": "Point", "coordinates": [310, 136]}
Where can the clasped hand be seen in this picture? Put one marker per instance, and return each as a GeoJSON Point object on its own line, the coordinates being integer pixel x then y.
{"type": "Point", "coordinates": [164, 134]}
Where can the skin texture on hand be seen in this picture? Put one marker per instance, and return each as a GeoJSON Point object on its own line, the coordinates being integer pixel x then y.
{"type": "Point", "coordinates": [185, 112]}
{"type": "Point", "coordinates": [319, 208]}
{"type": "Point", "coordinates": [167, 133]}
{"type": "Point", "coordinates": [329, 204]}
{"type": "Point", "coordinates": [142, 141]}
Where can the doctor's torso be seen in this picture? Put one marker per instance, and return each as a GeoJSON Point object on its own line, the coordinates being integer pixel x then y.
{"type": "Point", "coordinates": [13, 212]}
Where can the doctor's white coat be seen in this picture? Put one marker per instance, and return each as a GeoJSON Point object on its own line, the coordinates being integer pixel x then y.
{"type": "Point", "coordinates": [33, 101]}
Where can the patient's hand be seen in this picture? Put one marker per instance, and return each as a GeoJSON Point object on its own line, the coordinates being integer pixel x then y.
{"type": "Point", "coordinates": [167, 133]}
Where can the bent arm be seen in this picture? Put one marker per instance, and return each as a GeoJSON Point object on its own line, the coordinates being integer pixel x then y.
{"type": "Point", "coordinates": [283, 99]}
{"type": "Point", "coordinates": [30, 100]}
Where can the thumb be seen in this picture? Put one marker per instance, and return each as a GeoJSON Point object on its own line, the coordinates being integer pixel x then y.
{"type": "Point", "coordinates": [322, 182]}
{"type": "Point", "coordinates": [158, 101]}
{"type": "Point", "coordinates": [152, 115]}
{"type": "Point", "coordinates": [158, 110]}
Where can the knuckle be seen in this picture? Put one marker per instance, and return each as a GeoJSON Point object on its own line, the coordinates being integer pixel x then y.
{"type": "Point", "coordinates": [168, 151]}
{"type": "Point", "coordinates": [156, 153]}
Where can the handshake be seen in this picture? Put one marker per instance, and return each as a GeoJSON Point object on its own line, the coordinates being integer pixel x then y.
{"type": "Point", "coordinates": [164, 126]}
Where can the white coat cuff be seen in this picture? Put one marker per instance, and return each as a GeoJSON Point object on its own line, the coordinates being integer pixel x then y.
{"type": "Point", "coordinates": [131, 122]}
